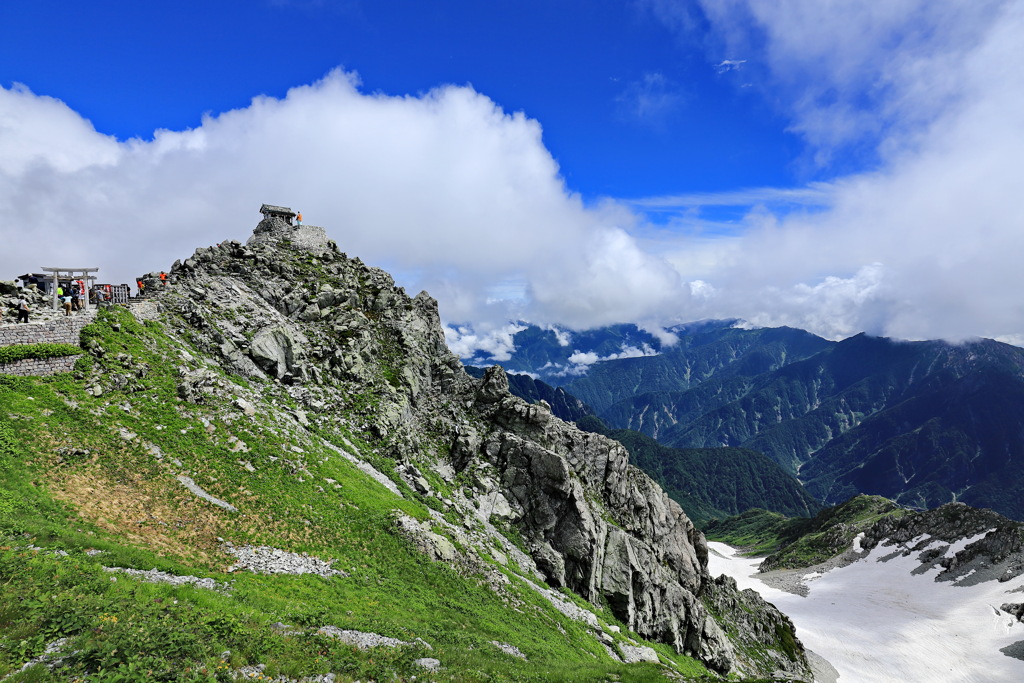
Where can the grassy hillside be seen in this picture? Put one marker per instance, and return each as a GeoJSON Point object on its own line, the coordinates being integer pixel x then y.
{"type": "Point", "coordinates": [802, 542]}
{"type": "Point", "coordinates": [89, 478]}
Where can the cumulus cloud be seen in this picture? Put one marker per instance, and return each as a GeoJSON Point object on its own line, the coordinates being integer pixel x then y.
{"type": "Point", "coordinates": [496, 343]}
{"type": "Point", "coordinates": [446, 190]}
{"type": "Point", "coordinates": [924, 245]}
{"type": "Point", "coordinates": [580, 361]}
{"type": "Point", "coordinates": [43, 132]}
{"type": "Point", "coordinates": [459, 197]}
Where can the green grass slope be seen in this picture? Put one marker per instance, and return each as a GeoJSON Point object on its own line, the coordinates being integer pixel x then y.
{"type": "Point", "coordinates": [802, 542]}
{"type": "Point", "coordinates": [88, 466]}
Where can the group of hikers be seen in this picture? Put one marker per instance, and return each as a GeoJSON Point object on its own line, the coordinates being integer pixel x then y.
{"type": "Point", "coordinates": [141, 284]}
{"type": "Point", "coordinates": [71, 294]}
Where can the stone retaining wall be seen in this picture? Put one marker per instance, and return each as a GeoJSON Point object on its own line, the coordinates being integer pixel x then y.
{"type": "Point", "coordinates": [59, 331]}
{"type": "Point", "coordinates": [144, 310]}
{"type": "Point", "coordinates": [38, 367]}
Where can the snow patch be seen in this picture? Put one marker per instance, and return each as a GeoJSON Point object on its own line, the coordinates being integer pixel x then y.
{"type": "Point", "coordinates": [875, 621]}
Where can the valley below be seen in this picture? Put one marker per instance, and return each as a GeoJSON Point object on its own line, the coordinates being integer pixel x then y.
{"type": "Point", "coordinates": [884, 617]}
{"type": "Point", "coordinates": [280, 407]}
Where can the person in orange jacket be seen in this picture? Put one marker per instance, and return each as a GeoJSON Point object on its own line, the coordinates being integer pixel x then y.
{"type": "Point", "coordinates": [298, 218]}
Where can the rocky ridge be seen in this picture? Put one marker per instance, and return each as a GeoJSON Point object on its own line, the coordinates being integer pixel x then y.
{"type": "Point", "coordinates": [966, 545]}
{"type": "Point", "coordinates": [289, 306]}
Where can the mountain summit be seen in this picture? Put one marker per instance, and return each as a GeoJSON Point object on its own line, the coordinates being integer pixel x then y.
{"type": "Point", "coordinates": [297, 400]}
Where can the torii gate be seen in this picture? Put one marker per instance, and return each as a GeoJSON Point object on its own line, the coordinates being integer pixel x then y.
{"type": "Point", "coordinates": [73, 274]}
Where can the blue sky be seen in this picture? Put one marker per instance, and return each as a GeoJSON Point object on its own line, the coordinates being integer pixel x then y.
{"type": "Point", "coordinates": [628, 107]}
{"type": "Point", "coordinates": [839, 166]}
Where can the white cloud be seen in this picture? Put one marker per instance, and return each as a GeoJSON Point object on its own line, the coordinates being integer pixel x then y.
{"type": "Point", "coordinates": [729, 65]}
{"type": "Point", "coordinates": [445, 189]}
{"type": "Point", "coordinates": [580, 361]}
{"type": "Point", "coordinates": [37, 133]}
{"type": "Point", "coordinates": [495, 342]}
{"type": "Point", "coordinates": [607, 279]}
{"type": "Point", "coordinates": [665, 337]}
{"type": "Point", "coordinates": [925, 245]}
{"type": "Point", "coordinates": [562, 335]}
{"type": "Point", "coordinates": [851, 69]}
{"type": "Point", "coordinates": [458, 197]}
{"type": "Point", "coordinates": [812, 195]}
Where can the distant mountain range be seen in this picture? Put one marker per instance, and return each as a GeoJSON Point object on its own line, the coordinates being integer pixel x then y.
{"type": "Point", "coordinates": [923, 423]}
{"type": "Point", "coordinates": [710, 483]}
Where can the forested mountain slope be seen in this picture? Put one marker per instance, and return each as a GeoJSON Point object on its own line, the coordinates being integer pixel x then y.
{"type": "Point", "coordinates": [921, 422]}
{"type": "Point", "coordinates": [713, 483]}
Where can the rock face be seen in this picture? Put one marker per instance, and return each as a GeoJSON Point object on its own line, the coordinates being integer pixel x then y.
{"type": "Point", "coordinates": [648, 564]}
{"type": "Point", "coordinates": [290, 307]}
{"type": "Point", "coordinates": [996, 550]}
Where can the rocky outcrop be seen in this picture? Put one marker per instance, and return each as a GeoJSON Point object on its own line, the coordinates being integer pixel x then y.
{"type": "Point", "coordinates": [298, 311]}
{"type": "Point", "coordinates": [634, 549]}
{"type": "Point", "coordinates": [755, 628]}
{"type": "Point", "coordinates": [995, 552]}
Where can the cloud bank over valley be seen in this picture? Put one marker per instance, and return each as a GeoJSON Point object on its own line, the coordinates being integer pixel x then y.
{"type": "Point", "coordinates": [455, 195]}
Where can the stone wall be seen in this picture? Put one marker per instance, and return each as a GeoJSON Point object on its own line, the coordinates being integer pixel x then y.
{"type": "Point", "coordinates": [59, 331]}
{"type": "Point", "coordinates": [144, 310]}
{"type": "Point", "coordinates": [307, 237]}
{"type": "Point", "coordinates": [38, 367]}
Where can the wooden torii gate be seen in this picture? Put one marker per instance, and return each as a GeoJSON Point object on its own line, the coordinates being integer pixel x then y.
{"type": "Point", "coordinates": [73, 274]}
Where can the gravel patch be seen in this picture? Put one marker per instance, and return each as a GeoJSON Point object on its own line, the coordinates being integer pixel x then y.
{"type": "Point", "coordinates": [428, 663]}
{"type": "Point", "coordinates": [196, 489]}
{"type": "Point", "coordinates": [266, 560]}
{"type": "Point", "coordinates": [361, 639]}
{"type": "Point", "coordinates": [52, 657]}
{"type": "Point", "coordinates": [508, 649]}
{"type": "Point", "coordinates": [248, 673]}
{"type": "Point", "coordinates": [157, 576]}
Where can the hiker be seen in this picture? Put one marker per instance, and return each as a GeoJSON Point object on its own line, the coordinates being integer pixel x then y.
{"type": "Point", "coordinates": [163, 278]}
{"type": "Point", "coordinates": [67, 305]}
{"type": "Point", "coordinates": [141, 285]}
{"type": "Point", "coordinates": [22, 309]}
{"type": "Point", "coordinates": [298, 218]}
{"type": "Point", "coordinates": [76, 295]}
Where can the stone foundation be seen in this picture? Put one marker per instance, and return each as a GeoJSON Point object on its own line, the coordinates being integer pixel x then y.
{"type": "Point", "coordinates": [54, 331]}
{"type": "Point", "coordinates": [59, 331]}
{"type": "Point", "coordinates": [38, 367]}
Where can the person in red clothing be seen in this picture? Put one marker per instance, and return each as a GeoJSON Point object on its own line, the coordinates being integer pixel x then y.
{"type": "Point", "coordinates": [163, 278]}
{"type": "Point", "coordinates": [298, 218]}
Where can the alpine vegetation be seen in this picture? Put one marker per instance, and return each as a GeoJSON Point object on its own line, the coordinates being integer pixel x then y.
{"type": "Point", "coordinates": [307, 486]}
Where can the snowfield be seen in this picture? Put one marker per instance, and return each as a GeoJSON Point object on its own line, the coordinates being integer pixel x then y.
{"type": "Point", "coordinates": [875, 621]}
